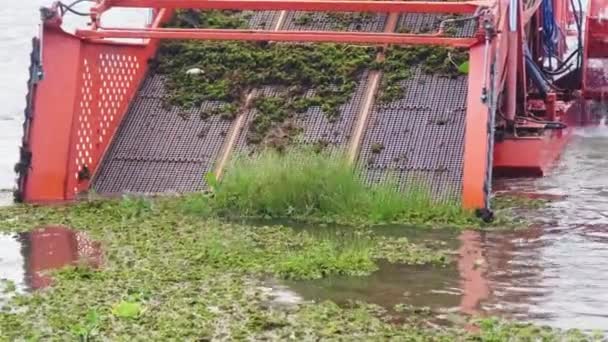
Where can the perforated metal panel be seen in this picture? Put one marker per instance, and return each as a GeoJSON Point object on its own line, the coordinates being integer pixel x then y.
{"type": "Point", "coordinates": [304, 20]}
{"type": "Point", "coordinates": [419, 139]}
{"type": "Point", "coordinates": [160, 149]}
{"type": "Point", "coordinates": [316, 127]}
{"type": "Point", "coordinates": [430, 23]}
{"type": "Point", "coordinates": [262, 20]}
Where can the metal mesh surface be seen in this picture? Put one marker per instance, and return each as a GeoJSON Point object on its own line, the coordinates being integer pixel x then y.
{"type": "Point", "coordinates": [262, 20]}
{"type": "Point", "coordinates": [306, 21]}
{"type": "Point", "coordinates": [419, 139]}
{"type": "Point", "coordinates": [430, 23]}
{"type": "Point", "coordinates": [159, 149]}
{"type": "Point", "coordinates": [315, 126]}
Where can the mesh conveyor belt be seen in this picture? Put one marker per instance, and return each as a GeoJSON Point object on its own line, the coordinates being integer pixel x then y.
{"type": "Point", "coordinates": [323, 22]}
{"type": "Point", "coordinates": [158, 149]}
{"type": "Point", "coordinates": [318, 129]}
{"type": "Point", "coordinates": [315, 125]}
{"type": "Point", "coordinates": [419, 139]}
{"type": "Point", "coordinates": [262, 20]}
{"type": "Point", "coordinates": [430, 23]}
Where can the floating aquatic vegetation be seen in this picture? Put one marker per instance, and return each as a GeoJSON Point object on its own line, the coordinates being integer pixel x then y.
{"type": "Point", "coordinates": [303, 75]}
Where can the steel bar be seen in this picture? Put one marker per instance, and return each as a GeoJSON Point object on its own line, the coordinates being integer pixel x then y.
{"type": "Point", "coordinates": [306, 5]}
{"type": "Point", "coordinates": [294, 36]}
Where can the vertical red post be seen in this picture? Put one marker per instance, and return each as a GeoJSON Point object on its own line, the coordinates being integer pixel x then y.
{"type": "Point", "coordinates": [51, 125]}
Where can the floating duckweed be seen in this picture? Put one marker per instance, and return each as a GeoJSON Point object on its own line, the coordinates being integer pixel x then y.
{"type": "Point", "coordinates": [169, 275]}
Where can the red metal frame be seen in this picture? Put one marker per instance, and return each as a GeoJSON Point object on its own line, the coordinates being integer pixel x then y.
{"type": "Point", "coordinates": [304, 5]}
{"type": "Point", "coordinates": [470, 7]}
{"type": "Point", "coordinates": [280, 36]}
{"type": "Point", "coordinates": [90, 82]}
{"type": "Point", "coordinates": [596, 47]}
{"type": "Point", "coordinates": [77, 107]}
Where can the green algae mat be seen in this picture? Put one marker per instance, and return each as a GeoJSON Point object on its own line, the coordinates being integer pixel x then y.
{"type": "Point", "coordinates": [170, 275]}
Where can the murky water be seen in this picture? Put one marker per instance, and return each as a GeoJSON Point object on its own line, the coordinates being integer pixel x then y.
{"type": "Point", "coordinates": [555, 273]}
{"type": "Point", "coordinates": [26, 258]}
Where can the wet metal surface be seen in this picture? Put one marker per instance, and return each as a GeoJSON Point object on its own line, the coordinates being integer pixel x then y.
{"type": "Point", "coordinates": [427, 23]}
{"type": "Point", "coordinates": [322, 21]}
{"type": "Point", "coordinates": [419, 139]}
{"type": "Point", "coordinates": [25, 258]}
{"type": "Point", "coordinates": [161, 149]}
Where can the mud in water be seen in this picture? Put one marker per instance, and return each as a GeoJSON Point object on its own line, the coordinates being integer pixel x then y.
{"type": "Point", "coordinates": [26, 258]}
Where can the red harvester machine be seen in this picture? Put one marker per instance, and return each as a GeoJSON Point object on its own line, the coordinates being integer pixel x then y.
{"type": "Point", "coordinates": [94, 122]}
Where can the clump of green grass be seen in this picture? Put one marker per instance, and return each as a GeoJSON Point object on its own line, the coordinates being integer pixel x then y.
{"type": "Point", "coordinates": [306, 183]}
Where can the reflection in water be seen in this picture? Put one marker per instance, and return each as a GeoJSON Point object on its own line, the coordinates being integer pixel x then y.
{"type": "Point", "coordinates": [559, 275]}
{"type": "Point", "coordinates": [472, 268]}
{"type": "Point", "coordinates": [555, 273]}
{"type": "Point", "coordinates": [437, 288]}
{"type": "Point", "coordinates": [31, 254]}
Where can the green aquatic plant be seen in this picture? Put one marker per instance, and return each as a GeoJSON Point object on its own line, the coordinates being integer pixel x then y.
{"type": "Point", "coordinates": [169, 274]}
{"type": "Point", "coordinates": [126, 309]}
{"type": "Point", "coordinates": [507, 202]}
{"type": "Point", "coordinates": [7, 286]}
{"type": "Point", "coordinates": [401, 62]}
{"type": "Point", "coordinates": [307, 183]}
{"type": "Point", "coordinates": [87, 329]}
{"type": "Point", "coordinates": [302, 75]}
{"type": "Point", "coordinates": [230, 71]}
{"type": "Point", "coordinates": [172, 275]}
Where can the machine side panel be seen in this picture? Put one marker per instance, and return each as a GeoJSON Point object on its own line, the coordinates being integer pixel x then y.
{"type": "Point", "coordinates": [476, 142]}
{"type": "Point", "coordinates": [51, 122]}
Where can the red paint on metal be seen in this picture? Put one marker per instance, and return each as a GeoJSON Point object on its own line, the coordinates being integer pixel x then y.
{"type": "Point", "coordinates": [551, 110]}
{"type": "Point", "coordinates": [528, 157]}
{"type": "Point", "coordinates": [476, 149]}
{"type": "Point", "coordinates": [291, 36]}
{"type": "Point", "coordinates": [307, 5]}
{"type": "Point", "coordinates": [51, 126]}
{"type": "Point", "coordinates": [596, 44]}
{"type": "Point", "coordinates": [78, 105]}
{"type": "Point", "coordinates": [534, 156]}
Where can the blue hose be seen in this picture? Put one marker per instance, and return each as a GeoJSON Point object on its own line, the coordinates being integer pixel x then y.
{"type": "Point", "coordinates": [551, 30]}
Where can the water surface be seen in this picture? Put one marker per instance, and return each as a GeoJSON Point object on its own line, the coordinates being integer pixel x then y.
{"type": "Point", "coordinates": [26, 258]}
{"type": "Point", "coordinates": [555, 273]}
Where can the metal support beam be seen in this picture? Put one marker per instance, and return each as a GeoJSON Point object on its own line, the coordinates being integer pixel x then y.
{"type": "Point", "coordinates": [281, 36]}
{"type": "Point", "coordinates": [305, 5]}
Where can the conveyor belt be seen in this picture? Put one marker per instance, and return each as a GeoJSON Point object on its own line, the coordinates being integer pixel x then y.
{"type": "Point", "coordinates": [419, 139]}
{"type": "Point", "coordinates": [158, 149]}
